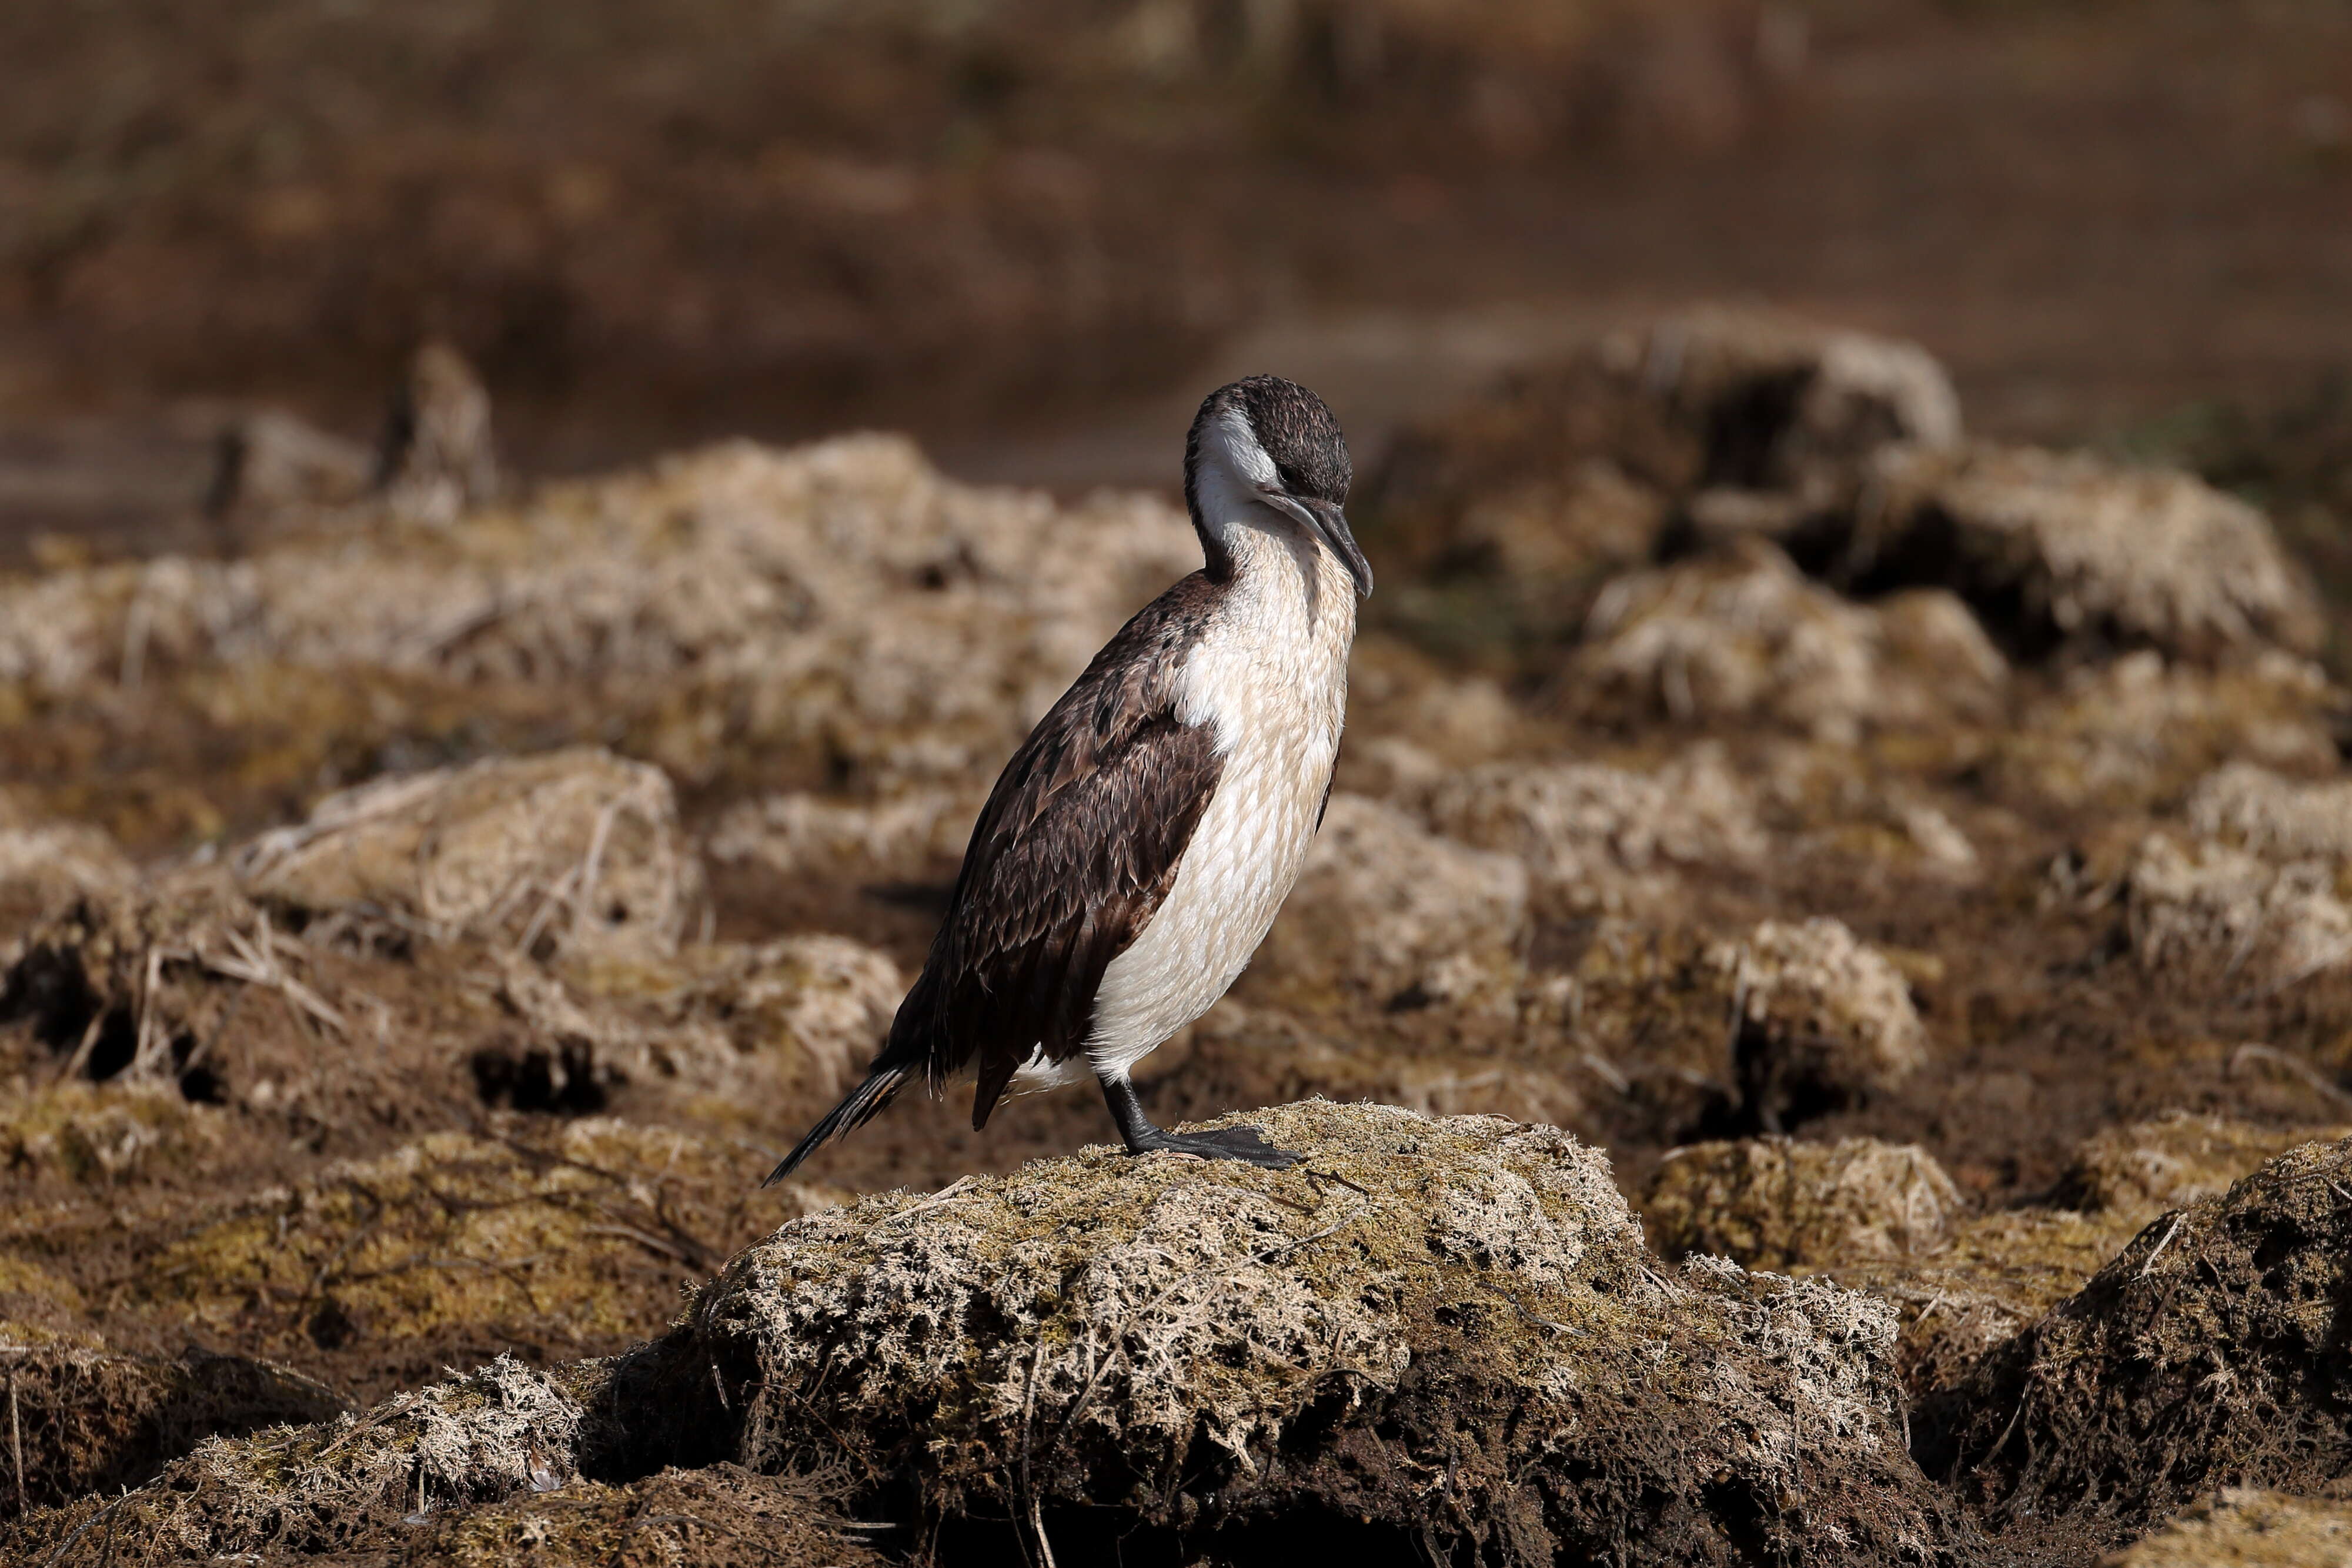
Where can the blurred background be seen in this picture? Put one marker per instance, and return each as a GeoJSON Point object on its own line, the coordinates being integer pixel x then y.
{"type": "Point", "coordinates": [1030, 232]}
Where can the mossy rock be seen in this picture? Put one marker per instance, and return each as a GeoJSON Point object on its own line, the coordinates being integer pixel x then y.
{"type": "Point", "coordinates": [1773, 1203]}
{"type": "Point", "coordinates": [1442, 1331]}
{"type": "Point", "coordinates": [329, 1486]}
{"type": "Point", "coordinates": [2244, 1528]}
{"type": "Point", "coordinates": [2212, 1348]}
{"type": "Point", "coordinates": [83, 1417]}
{"type": "Point", "coordinates": [2146, 1168]}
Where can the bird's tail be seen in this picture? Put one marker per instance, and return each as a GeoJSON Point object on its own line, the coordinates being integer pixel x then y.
{"type": "Point", "coordinates": [880, 1087]}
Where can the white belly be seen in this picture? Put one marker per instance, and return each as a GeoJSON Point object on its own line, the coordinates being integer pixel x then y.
{"type": "Point", "coordinates": [1242, 862]}
{"type": "Point", "coordinates": [1272, 679]}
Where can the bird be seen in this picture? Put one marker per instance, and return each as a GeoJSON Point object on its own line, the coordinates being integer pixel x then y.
{"type": "Point", "coordinates": [1136, 849]}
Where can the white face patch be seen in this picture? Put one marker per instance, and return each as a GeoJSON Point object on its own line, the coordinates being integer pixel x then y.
{"type": "Point", "coordinates": [1232, 465]}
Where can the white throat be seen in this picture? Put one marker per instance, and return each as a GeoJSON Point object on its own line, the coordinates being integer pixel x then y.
{"type": "Point", "coordinates": [1270, 552]}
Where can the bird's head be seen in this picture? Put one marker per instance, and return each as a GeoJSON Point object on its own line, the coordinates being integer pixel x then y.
{"type": "Point", "coordinates": [1266, 452]}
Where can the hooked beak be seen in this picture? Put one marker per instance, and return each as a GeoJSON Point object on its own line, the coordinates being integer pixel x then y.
{"type": "Point", "coordinates": [1327, 522]}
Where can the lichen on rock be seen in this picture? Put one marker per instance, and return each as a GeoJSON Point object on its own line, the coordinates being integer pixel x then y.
{"type": "Point", "coordinates": [1203, 1346]}
{"type": "Point", "coordinates": [1773, 1203]}
{"type": "Point", "coordinates": [2066, 547]}
{"type": "Point", "coordinates": [2243, 1527]}
{"type": "Point", "coordinates": [2207, 1352]}
{"type": "Point", "coordinates": [575, 849]}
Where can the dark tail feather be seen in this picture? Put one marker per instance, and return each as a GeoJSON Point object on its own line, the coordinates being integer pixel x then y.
{"type": "Point", "coordinates": [879, 1087]}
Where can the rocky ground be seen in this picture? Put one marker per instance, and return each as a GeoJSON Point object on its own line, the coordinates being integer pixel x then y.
{"type": "Point", "coordinates": [1821, 1015]}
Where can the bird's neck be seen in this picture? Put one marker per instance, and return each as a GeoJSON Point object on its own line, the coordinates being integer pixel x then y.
{"type": "Point", "coordinates": [1287, 578]}
{"type": "Point", "coordinates": [1271, 665]}
{"type": "Point", "coordinates": [1283, 631]}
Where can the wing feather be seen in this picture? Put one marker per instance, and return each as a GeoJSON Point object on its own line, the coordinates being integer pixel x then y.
{"type": "Point", "coordinates": [1074, 853]}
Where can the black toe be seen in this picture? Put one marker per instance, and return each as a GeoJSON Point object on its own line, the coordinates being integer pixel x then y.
{"type": "Point", "coordinates": [1247, 1144]}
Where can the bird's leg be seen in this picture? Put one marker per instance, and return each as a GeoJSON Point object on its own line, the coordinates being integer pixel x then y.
{"type": "Point", "coordinates": [1246, 1144]}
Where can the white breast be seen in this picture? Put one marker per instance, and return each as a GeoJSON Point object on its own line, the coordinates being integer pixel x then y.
{"type": "Point", "coordinates": [1270, 676]}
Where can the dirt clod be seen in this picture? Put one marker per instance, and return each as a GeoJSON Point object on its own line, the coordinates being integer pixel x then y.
{"type": "Point", "coordinates": [2063, 547]}
{"type": "Point", "coordinates": [572, 851]}
{"type": "Point", "coordinates": [1770, 1203]}
{"type": "Point", "coordinates": [2206, 1351]}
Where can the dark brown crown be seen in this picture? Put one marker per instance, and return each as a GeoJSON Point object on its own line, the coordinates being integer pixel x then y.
{"type": "Point", "coordinates": [1294, 425]}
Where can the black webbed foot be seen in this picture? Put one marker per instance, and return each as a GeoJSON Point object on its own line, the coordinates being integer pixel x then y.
{"type": "Point", "coordinates": [1247, 1144]}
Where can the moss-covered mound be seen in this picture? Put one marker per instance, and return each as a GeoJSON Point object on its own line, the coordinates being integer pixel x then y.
{"type": "Point", "coordinates": [83, 1418]}
{"type": "Point", "coordinates": [2137, 1171]}
{"type": "Point", "coordinates": [722, 1516]}
{"type": "Point", "coordinates": [1512, 505]}
{"type": "Point", "coordinates": [569, 1244]}
{"type": "Point", "coordinates": [1442, 1331]}
{"type": "Point", "coordinates": [502, 1431]}
{"type": "Point", "coordinates": [2063, 547]}
{"type": "Point", "coordinates": [2243, 1528]}
{"type": "Point", "coordinates": [841, 611]}
{"type": "Point", "coordinates": [1837, 1208]}
{"type": "Point", "coordinates": [2211, 1350]}
{"type": "Point", "coordinates": [575, 848]}
{"type": "Point", "coordinates": [1772, 1202]}
{"type": "Point", "coordinates": [1761, 1031]}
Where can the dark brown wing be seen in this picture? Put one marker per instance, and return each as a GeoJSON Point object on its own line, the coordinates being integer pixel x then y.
{"type": "Point", "coordinates": [1073, 853]}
